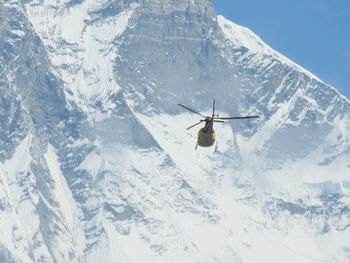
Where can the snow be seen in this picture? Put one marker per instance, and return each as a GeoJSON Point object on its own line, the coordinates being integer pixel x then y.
{"type": "Point", "coordinates": [86, 62]}
{"type": "Point", "coordinates": [335, 246]}
{"type": "Point", "coordinates": [251, 237]}
{"type": "Point", "coordinates": [19, 33]}
{"type": "Point", "coordinates": [66, 208]}
{"type": "Point", "coordinates": [61, 192]}
{"type": "Point", "coordinates": [243, 37]}
{"type": "Point", "coordinates": [20, 161]}
{"type": "Point", "coordinates": [71, 34]}
{"type": "Point", "coordinates": [19, 219]}
{"type": "Point", "coordinates": [23, 218]}
{"type": "Point", "coordinates": [93, 163]}
{"type": "Point", "coordinates": [170, 133]}
{"type": "Point", "coordinates": [100, 199]}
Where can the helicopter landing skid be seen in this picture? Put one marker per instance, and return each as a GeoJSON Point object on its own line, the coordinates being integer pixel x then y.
{"type": "Point", "coordinates": [216, 146]}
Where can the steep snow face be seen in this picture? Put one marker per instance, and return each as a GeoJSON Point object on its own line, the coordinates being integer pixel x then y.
{"type": "Point", "coordinates": [300, 112]}
{"type": "Point", "coordinates": [167, 58]}
{"type": "Point", "coordinates": [38, 214]}
{"type": "Point", "coordinates": [97, 167]}
{"type": "Point", "coordinates": [243, 37]}
{"type": "Point", "coordinates": [30, 94]}
{"type": "Point", "coordinates": [81, 38]}
{"type": "Point", "coordinates": [191, 58]}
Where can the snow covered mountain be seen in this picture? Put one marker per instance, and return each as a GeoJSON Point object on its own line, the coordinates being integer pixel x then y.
{"type": "Point", "coordinates": [95, 164]}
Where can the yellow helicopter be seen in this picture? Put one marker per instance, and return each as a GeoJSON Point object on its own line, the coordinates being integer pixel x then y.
{"type": "Point", "coordinates": [206, 135]}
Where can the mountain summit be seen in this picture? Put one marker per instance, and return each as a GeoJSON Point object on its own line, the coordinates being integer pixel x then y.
{"type": "Point", "coordinates": [95, 162]}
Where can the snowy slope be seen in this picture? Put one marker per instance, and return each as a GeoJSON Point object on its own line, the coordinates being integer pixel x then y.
{"type": "Point", "coordinates": [241, 36]}
{"type": "Point", "coordinates": [96, 164]}
{"type": "Point", "coordinates": [82, 48]}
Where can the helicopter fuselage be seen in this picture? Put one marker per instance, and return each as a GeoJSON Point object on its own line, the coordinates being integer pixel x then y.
{"type": "Point", "coordinates": [206, 139]}
{"type": "Point", "coordinates": [206, 135]}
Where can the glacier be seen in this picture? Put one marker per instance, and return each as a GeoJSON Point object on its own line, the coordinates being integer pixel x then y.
{"type": "Point", "coordinates": [95, 161]}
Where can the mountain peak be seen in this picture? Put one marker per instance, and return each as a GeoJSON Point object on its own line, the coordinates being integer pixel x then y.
{"type": "Point", "coordinates": [165, 7]}
{"type": "Point", "coordinates": [244, 37]}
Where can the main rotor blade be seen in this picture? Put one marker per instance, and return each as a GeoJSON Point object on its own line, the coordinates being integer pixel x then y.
{"type": "Point", "coordinates": [191, 110]}
{"type": "Point", "coordinates": [218, 121]}
{"type": "Point", "coordinates": [213, 107]}
{"type": "Point", "coordinates": [236, 118]}
{"type": "Point", "coordinates": [194, 125]}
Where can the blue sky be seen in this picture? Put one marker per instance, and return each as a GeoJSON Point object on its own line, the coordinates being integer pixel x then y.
{"type": "Point", "coordinates": [313, 33]}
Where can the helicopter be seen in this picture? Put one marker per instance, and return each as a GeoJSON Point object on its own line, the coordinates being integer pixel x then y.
{"type": "Point", "coordinates": [206, 135]}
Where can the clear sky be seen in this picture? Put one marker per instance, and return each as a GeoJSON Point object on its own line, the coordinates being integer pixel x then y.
{"type": "Point", "coordinates": [313, 33]}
